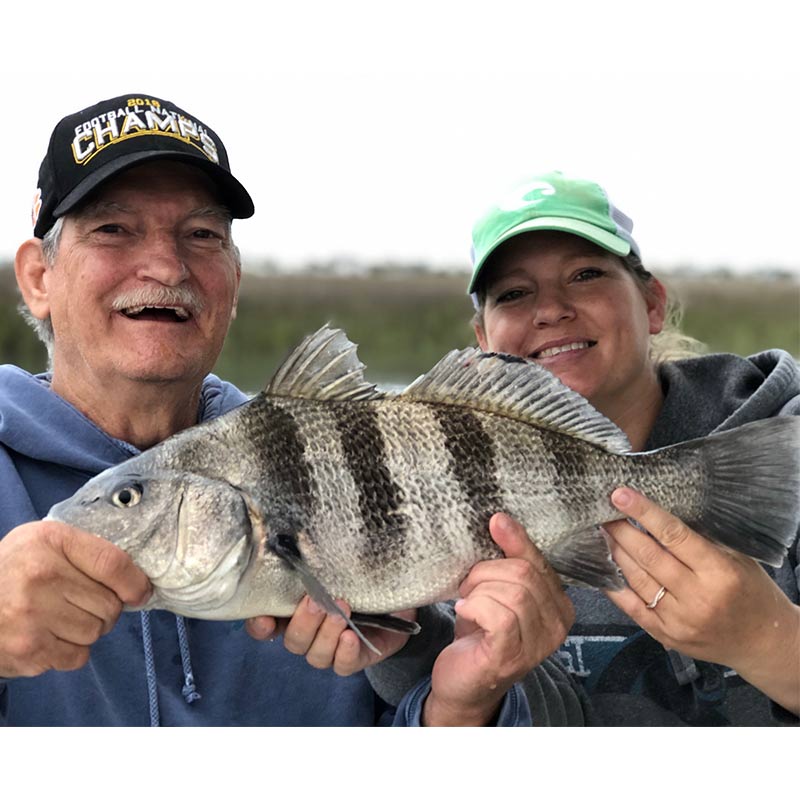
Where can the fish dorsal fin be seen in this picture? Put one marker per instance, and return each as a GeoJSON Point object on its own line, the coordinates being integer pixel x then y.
{"type": "Point", "coordinates": [324, 366]}
{"type": "Point", "coordinates": [515, 388]}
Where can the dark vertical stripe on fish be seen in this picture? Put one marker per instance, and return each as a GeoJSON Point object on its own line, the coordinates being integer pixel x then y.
{"type": "Point", "coordinates": [570, 466]}
{"type": "Point", "coordinates": [288, 475]}
{"type": "Point", "coordinates": [379, 497]}
{"type": "Point", "coordinates": [473, 463]}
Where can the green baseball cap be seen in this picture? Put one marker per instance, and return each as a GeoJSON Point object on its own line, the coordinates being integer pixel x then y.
{"type": "Point", "coordinates": [552, 202]}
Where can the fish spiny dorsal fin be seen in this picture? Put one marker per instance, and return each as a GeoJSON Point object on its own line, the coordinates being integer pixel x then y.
{"type": "Point", "coordinates": [515, 388]}
{"type": "Point", "coordinates": [324, 366]}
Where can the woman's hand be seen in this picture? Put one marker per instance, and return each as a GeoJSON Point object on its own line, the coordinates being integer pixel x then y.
{"type": "Point", "coordinates": [716, 605]}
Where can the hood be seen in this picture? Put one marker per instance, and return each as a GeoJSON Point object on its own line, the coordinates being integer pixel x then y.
{"type": "Point", "coordinates": [722, 391]}
{"type": "Point", "coordinates": [39, 424]}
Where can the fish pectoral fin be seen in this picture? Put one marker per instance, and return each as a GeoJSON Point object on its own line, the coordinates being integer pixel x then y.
{"type": "Point", "coordinates": [387, 622]}
{"type": "Point", "coordinates": [285, 546]}
{"type": "Point", "coordinates": [583, 559]}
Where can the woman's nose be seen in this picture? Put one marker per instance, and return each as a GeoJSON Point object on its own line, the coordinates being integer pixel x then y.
{"type": "Point", "coordinates": [552, 306]}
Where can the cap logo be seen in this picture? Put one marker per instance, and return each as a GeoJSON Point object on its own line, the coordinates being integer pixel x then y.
{"type": "Point", "coordinates": [140, 117]}
{"type": "Point", "coordinates": [534, 193]}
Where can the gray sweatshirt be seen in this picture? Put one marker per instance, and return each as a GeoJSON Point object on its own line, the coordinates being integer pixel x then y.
{"type": "Point", "coordinates": [609, 671]}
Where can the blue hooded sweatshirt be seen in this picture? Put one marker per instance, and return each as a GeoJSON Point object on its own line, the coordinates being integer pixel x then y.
{"type": "Point", "coordinates": [153, 667]}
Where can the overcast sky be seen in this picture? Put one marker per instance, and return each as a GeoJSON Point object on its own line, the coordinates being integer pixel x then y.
{"type": "Point", "coordinates": [379, 131]}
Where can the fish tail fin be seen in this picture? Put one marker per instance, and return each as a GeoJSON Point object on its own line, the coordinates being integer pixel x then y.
{"type": "Point", "coordinates": [752, 493]}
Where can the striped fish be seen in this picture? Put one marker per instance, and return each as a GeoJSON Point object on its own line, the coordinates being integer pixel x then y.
{"type": "Point", "coordinates": [322, 484]}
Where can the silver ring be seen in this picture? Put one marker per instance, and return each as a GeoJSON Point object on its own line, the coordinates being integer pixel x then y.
{"type": "Point", "coordinates": [659, 594]}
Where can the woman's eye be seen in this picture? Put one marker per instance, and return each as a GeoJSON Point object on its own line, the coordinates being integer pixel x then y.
{"type": "Point", "coordinates": [588, 274]}
{"type": "Point", "coordinates": [511, 294]}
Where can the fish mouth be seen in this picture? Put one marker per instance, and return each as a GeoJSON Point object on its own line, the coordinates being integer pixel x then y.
{"type": "Point", "coordinates": [565, 346]}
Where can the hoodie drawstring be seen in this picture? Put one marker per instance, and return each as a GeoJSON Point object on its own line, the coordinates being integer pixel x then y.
{"type": "Point", "coordinates": [189, 690]}
{"type": "Point", "coordinates": [150, 670]}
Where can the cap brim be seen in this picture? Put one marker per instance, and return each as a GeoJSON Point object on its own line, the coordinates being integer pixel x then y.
{"type": "Point", "coordinates": [603, 238]}
{"type": "Point", "coordinates": [233, 194]}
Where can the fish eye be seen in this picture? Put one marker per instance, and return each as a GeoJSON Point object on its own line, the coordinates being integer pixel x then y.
{"type": "Point", "coordinates": [127, 496]}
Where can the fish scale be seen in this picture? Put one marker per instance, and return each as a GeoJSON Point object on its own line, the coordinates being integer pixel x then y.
{"type": "Point", "coordinates": [323, 484]}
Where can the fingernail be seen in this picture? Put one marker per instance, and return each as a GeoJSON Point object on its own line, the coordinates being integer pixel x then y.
{"type": "Point", "coordinates": [313, 607]}
{"type": "Point", "coordinates": [621, 498]}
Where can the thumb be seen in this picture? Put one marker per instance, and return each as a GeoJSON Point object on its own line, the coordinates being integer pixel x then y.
{"type": "Point", "coordinates": [511, 537]}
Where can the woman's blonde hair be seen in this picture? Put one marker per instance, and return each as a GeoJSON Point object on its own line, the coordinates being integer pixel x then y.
{"type": "Point", "coordinates": [671, 343]}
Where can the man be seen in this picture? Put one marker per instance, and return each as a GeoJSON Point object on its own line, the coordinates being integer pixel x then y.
{"type": "Point", "coordinates": [132, 280]}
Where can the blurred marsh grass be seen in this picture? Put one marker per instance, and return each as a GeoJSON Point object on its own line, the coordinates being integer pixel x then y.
{"type": "Point", "coordinates": [405, 320]}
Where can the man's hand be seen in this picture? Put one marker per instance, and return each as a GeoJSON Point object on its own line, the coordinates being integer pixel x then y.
{"type": "Point", "coordinates": [512, 614]}
{"type": "Point", "coordinates": [61, 589]}
{"type": "Point", "coordinates": [326, 641]}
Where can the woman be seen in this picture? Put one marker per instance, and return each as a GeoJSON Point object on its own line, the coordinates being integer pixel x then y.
{"type": "Point", "coordinates": [558, 279]}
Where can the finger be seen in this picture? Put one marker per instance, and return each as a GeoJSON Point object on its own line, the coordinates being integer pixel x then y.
{"type": "Point", "coordinates": [627, 601]}
{"type": "Point", "coordinates": [74, 625]}
{"type": "Point", "coordinates": [262, 628]}
{"type": "Point", "coordinates": [95, 602]}
{"type": "Point", "coordinates": [322, 649]}
{"type": "Point", "coordinates": [640, 582]}
{"type": "Point", "coordinates": [645, 562]}
{"type": "Point", "coordinates": [517, 547]}
{"type": "Point", "coordinates": [501, 636]}
{"type": "Point", "coordinates": [102, 561]}
{"type": "Point", "coordinates": [58, 655]}
{"type": "Point", "coordinates": [512, 538]}
{"type": "Point", "coordinates": [681, 541]}
{"type": "Point", "coordinates": [303, 626]}
{"type": "Point", "coordinates": [351, 656]}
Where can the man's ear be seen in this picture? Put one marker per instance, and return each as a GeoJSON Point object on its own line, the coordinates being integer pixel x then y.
{"type": "Point", "coordinates": [30, 267]}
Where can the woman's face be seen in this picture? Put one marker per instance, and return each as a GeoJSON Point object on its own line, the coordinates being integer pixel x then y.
{"type": "Point", "coordinates": [574, 308]}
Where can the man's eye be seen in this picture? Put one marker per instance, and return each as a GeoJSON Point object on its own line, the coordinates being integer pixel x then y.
{"type": "Point", "coordinates": [205, 233]}
{"type": "Point", "coordinates": [109, 227]}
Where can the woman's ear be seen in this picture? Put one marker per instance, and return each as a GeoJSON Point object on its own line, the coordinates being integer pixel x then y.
{"type": "Point", "coordinates": [480, 335]}
{"type": "Point", "coordinates": [656, 299]}
{"type": "Point", "coordinates": [30, 267]}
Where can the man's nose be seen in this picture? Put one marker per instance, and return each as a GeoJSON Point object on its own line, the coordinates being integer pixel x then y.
{"type": "Point", "coordinates": [160, 260]}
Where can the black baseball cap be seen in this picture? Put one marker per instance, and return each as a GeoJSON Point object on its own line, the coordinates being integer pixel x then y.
{"type": "Point", "coordinates": [92, 145]}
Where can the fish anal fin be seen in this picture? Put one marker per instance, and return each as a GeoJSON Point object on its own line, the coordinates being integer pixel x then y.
{"type": "Point", "coordinates": [386, 622]}
{"type": "Point", "coordinates": [583, 559]}
{"type": "Point", "coordinates": [285, 546]}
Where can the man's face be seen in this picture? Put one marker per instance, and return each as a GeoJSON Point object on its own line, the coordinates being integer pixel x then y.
{"type": "Point", "coordinates": [145, 280]}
